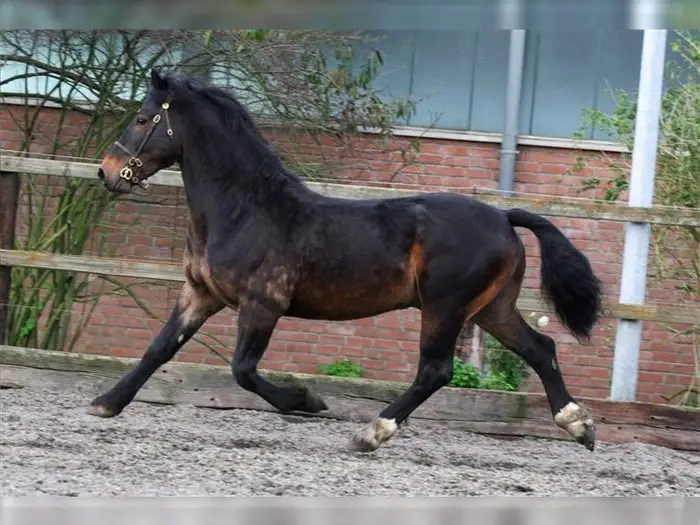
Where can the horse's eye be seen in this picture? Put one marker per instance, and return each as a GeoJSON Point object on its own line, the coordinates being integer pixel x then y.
{"type": "Point", "coordinates": [141, 121]}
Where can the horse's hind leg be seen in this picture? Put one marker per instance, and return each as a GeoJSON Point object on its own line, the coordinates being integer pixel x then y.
{"type": "Point", "coordinates": [444, 308]}
{"type": "Point", "coordinates": [438, 337]}
{"type": "Point", "coordinates": [502, 319]}
{"type": "Point", "coordinates": [194, 306]}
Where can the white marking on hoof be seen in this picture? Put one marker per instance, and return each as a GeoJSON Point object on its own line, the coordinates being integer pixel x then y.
{"type": "Point", "coordinates": [377, 432]}
{"type": "Point", "coordinates": [570, 419]}
{"type": "Point", "coordinates": [577, 421]}
{"type": "Point", "coordinates": [181, 338]}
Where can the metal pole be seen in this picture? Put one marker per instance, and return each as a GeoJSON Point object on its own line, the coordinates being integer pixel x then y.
{"type": "Point", "coordinates": [646, 14]}
{"type": "Point", "coordinates": [516, 62]}
{"type": "Point", "coordinates": [641, 193]}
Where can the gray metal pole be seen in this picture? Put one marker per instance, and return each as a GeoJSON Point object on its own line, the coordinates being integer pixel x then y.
{"type": "Point", "coordinates": [641, 193]}
{"type": "Point", "coordinates": [516, 61]}
{"type": "Point", "coordinates": [646, 14]}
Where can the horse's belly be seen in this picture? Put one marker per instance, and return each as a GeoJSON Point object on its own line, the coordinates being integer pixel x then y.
{"type": "Point", "coordinates": [352, 300]}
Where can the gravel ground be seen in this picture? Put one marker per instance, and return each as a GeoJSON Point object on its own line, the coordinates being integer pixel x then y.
{"type": "Point", "coordinates": [50, 446]}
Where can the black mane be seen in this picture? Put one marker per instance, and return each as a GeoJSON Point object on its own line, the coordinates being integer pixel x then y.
{"type": "Point", "coordinates": [234, 115]}
{"type": "Point", "coordinates": [233, 140]}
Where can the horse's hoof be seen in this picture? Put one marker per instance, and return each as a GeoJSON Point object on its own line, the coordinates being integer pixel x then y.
{"type": "Point", "coordinates": [370, 437]}
{"type": "Point", "coordinates": [577, 421]}
{"type": "Point", "coordinates": [314, 402]}
{"type": "Point", "coordinates": [362, 441]}
{"type": "Point", "coordinates": [99, 408]}
{"type": "Point", "coordinates": [588, 439]}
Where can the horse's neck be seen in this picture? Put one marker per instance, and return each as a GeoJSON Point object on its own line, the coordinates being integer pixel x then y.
{"type": "Point", "coordinates": [219, 204]}
{"type": "Point", "coordinates": [210, 202]}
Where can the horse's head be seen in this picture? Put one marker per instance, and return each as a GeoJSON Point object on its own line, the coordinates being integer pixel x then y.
{"type": "Point", "coordinates": [147, 145]}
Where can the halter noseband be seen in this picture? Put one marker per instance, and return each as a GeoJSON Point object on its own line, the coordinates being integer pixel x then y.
{"type": "Point", "coordinates": [127, 172]}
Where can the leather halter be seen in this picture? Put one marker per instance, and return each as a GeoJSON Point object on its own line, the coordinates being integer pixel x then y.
{"type": "Point", "coordinates": [127, 172]}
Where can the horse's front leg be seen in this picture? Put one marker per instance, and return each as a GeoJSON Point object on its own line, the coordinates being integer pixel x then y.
{"type": "Point", "coordinates": [255, 326]}
{"type": "Point", "coordinates": [194, 306]}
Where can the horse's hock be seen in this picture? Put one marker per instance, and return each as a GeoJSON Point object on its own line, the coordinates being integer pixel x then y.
{"type": "Point", "coordinates": [171, 445]}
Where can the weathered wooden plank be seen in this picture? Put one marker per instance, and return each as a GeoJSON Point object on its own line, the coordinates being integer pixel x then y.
{"type": "Point", "coordinates": [648, 312]}
{"type": "Point", "coordinates": [361, 399]}
{"type": "Point", "coordinates": [77, 170]}
{"type": "Point", "coordinates": [97, 265]}
{"type": "Point", "coordinates": [164, 392]}
{"type": "Point", "coordinates": [545, 205]}
{"type": "Point", "coordinates": [173, 272]}
{"type": "Point", "coordinates": [618, 434]}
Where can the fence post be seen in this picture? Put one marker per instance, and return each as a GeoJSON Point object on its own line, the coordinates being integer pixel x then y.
{"type": "Point", "coordinates": [9, 197]}
{"type": "Point", "coordinates": [641, 193]}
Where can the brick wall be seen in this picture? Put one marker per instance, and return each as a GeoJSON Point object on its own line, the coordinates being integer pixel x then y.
{"type": "Point", "coordinates": [385, 345]}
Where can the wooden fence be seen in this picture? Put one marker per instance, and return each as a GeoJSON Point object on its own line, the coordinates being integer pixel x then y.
{"type": "Point", "coordinates": [11, 166]}
{"type": "Point", "coordinates": [495, 413]}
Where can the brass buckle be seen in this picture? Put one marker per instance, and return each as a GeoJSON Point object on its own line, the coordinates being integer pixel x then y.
{"type": "Point", "coordinates": [126, 173]}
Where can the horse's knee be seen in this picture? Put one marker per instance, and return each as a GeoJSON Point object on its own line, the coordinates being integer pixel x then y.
{"type": "Point", "coordinates": [244, 374]}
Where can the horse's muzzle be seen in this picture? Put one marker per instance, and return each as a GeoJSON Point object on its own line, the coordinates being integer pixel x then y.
{"type": "Point", "coordinates": [115, 185]}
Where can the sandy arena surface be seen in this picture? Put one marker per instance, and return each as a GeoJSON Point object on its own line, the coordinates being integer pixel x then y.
{"type": "Point", "coordinates": [48, 445]}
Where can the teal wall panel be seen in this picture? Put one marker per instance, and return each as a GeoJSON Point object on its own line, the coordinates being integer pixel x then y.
{"type": "Point", "coordinates": [565, 81]}
{"type": "Point", "coordinates": [443, 76]}
{"type": "Point", "coordinates": [460, 77]}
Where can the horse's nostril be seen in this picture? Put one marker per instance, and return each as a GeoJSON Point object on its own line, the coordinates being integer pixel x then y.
{"type": "Point", "coordinates": [101, 174]}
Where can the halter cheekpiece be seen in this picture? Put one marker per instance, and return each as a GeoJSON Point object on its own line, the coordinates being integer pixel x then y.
{"type": "Point", "coordinates": [127, 172]}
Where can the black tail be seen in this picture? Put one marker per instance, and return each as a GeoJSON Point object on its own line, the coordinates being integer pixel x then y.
{"type": "Point", "coordinates": [568, 281]}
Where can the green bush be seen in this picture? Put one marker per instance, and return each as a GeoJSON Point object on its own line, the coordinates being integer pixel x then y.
{"type": "Point", "coordinates": [504, 364]}
{"type": "Point", "coordinates": [465, 375]}
{"type": "Point", "coordinates": [506, 371]}
{"type": "Point", "coordinates": [342, 368]}
{"type": "Point", "coordinates": [497, 381]}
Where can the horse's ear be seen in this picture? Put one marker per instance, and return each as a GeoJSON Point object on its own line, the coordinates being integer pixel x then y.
{"type": "Point", "coordinates": [157, 81]}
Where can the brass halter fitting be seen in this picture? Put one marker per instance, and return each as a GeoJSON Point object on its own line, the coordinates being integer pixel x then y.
{"type": "Point", "coordinates": [127, 172]}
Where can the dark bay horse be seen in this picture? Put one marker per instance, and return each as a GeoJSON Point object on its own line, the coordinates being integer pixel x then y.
{"type": "Point", "coordinates": [261, 242]}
